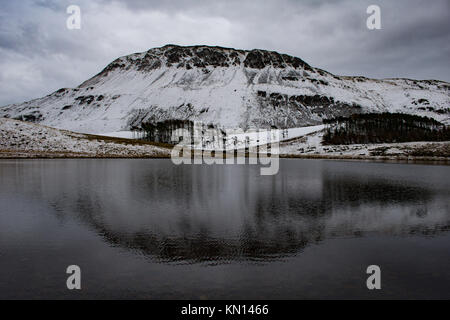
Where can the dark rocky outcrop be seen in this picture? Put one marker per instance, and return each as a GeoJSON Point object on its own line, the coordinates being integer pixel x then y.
{"type": "Point", "coordinates": [299, 110]}
{"type": "Point", "coordinates": [85, 99]}
{"type": "Point", "coordinates": [204, 56]}
{"type": "Point", "coordinates": [259, 59]}
{"type": "Point", "coordinates": [34, 116]}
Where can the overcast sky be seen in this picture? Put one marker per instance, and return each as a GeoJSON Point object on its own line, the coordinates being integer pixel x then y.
{"type": "Point", "coordinates": [38, 54]}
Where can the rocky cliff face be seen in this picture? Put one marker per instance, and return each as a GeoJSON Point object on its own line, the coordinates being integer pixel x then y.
{"type": "Point", "coordinates": [224, 87]}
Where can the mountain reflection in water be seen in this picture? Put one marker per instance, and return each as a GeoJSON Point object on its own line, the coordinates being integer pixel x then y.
{"type": "Point", "coordinates": [218, 214]}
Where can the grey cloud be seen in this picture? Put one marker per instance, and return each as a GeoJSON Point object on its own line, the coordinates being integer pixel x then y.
{"type": "Point", "coordinates": [34, 43]}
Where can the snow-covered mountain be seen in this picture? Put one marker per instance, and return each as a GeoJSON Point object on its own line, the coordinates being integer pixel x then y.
{"type": "Point", "coordinates": [224, 87]}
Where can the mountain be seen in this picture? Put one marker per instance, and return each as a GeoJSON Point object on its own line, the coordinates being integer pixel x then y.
{"type": "Point", "coordinates": [225, 87]}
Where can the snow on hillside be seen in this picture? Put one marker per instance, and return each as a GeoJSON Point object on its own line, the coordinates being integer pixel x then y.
{"type": "Point", "coordinates": [255, 138]}
{"type": "Point", "coordinates": [19, 139]}
{"type": "Point", "coordinates": [22, 139]}
{"type": "Point", "coordinates": [263, 137]}
{"type": "Point", "coordinates": [311, 146]}
{"type": "Point", "coordinates": [225, 87]}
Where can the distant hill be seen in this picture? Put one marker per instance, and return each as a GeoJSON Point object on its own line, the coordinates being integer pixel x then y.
{"type": "Point", "coordinates": [227, 88]}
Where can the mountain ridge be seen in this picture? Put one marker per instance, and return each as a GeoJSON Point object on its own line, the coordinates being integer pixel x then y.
{"type": "Point", "coordinates": [225, 87]}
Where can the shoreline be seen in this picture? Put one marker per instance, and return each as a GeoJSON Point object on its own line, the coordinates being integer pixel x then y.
{"type": "Point", "coordinates": [25, 155]}
{"type": "Point", "coordinates": [381, 159]}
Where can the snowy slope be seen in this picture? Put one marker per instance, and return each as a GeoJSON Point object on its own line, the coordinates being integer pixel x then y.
{"type": "Point", "coordinates": [255, 138]}
{"type": "Point", "coordinates": [311, 145]}
{"type": "Point", "coordinates": [23, 139]}
{"type": "Point", "coordinates": [225, 87]}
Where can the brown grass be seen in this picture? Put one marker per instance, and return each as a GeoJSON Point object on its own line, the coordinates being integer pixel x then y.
{"type": "Point", "coordinates": [34, 154]}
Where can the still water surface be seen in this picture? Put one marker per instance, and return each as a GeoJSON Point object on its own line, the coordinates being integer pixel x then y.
{"type": "Point", "coordinates": [149, 229]}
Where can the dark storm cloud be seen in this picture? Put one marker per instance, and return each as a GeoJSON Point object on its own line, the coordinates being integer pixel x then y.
{"type": "Point", "coordinates": [38, 54]}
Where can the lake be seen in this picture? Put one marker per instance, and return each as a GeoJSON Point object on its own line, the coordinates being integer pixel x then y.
{"type": "Point", "coordinates": [148, 229]}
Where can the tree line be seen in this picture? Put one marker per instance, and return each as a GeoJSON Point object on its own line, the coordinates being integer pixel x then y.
{"type": "Point", "coordinates": [383, 128]}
